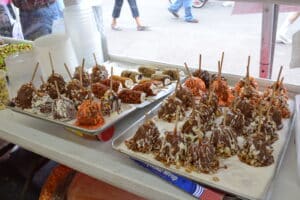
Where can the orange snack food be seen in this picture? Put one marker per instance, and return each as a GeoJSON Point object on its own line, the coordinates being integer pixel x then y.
{"type": "Point", "coordinates": [241, 84]}
{"type": "Point", "coordinates": [89, 114]}
{"type": "Point", "coordinates": [195, 85]}
{"type": "Point", "coordinates": [223, 92]}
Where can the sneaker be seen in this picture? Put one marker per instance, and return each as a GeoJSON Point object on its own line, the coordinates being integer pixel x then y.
{"type": "Point", "coordinates": [283, 39]}
{"type": "Point", "coordinates": [192, 21]}
{"type": "Point", "coordinates": [142, 28]}
{"type": "Point", "coordinates": [175, 14]}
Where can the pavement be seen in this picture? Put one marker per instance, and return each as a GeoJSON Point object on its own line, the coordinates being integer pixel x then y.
{"type": "Point", "coordinates": [174, 41]}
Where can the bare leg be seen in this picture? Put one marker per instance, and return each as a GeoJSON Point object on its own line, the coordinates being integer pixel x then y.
{"type": "Point", "coordinates": [138, 21]}
{"type": "Point", "coordinates": [114, 22]}
{"type": "Point", "coordinates": [293, 17]}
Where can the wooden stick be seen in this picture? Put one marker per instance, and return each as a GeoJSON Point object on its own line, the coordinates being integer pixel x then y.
{"type": "Point", "coordinates": [90, 90]}
{"type": "Point", "coordinates": [271, 100]}
{"type": "Point", "coordinates": [247, 81]}
{"type": "Point", "coordinates": [80, 77]}
{"type": "Point", "coordinates": [82, 65]}
{"type": "Point", "coordinates": [34, 72]}
{"type": "Point", "coordinates": [200, 63]}
{"type": "Point", "coordinates": [67, 68]}
{"type": "Point", "coordinates": [193, 107]}
{"type": "Point", "coordinates": [42, 79]}
{"type": "Point", "coordinates": [51, 63]}
{"type": "Point", "coordinates": [248, 66]}
{"type": "Point", "coordinates": [279, 74]}
{"type": "Point", "coordinates": [235, 100]}
{"type": "Point", "coordinates": [187, 69]}
{"type": "Point", "coordinates": [260, 119]}
{"type": "Point", "coordinates": [57, 90]}
{"type": "Point", "coordinates": [95, 58]}
{"type": "Point", "coordinates": [219, 71]}
{"type": "Point", "coordinates": [211, 90]}
{"type": "Point", "coordinates": [111, 79]}
{"type": "Point", "coordinates": [176, 120]}
{"type": "Point", "coordinates": [281, 81]}
{"type": "Point", "coordinates": [225, 116]}
{"type": "Point", "coordinates": [222, 59]}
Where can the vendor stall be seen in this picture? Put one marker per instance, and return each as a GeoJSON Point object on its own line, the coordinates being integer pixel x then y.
{"type": "Point", "coordinates": [133, 115]}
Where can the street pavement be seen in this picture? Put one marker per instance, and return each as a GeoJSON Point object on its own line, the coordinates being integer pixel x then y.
{"type": "Point", "coordinates": [174, 41]}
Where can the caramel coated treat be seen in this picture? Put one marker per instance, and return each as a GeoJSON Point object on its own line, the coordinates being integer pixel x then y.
{"type": "Point", "coordinates": [223, 92]}
{"type": "Point", "coordinates": [134, 76]}
{"type": "Point", "coordinates": [24, 96]}
{"type": "Point", "coordinates": [192, 130]}
{"type": "Point", "coordinates": [147, 87]}
{"type": "Point", "coordinates": [158, 84]}
{"type": "Point", "coordinates": [110, 103]}
{"type": "Point", "coordinates": [165, 79]}
{"type": "Point", "coordinates": [171, 151]}
{"type": "Point", "coordinates": [50, 89]}
{"type": "Point", "coordinates": [63, 109]}
{"type": "Point", "coordinates": [116, 85]}
{"type": "Point", "coordinates": [99, 89]}
{"type": "Point", "coordinates": [168, 109]}
{"type": "Point", "coordinates": [241, 84]}
{"type": "Point", "coordinates": [202, 157]}
{"type": "Point", "coordinates": [246, 108]}
{"type": "Point", "coordinates": [42, 103]}
{"type": "Point", "coordinates": [89, 113]}
{"type": "Point", "coordinates": [80, 96]}
{"type": "Point", "coordinates": [131, 96]}
{"type": "Point", "coordinates": [146, 139]}
{"type": "Point", "coordinates": [126, 82]}
{"type": "Point", "coordinates": [256, 152]}
{"type": "Point", "coordinates": [85, 76]}
{"type": "Point", "coordinates": [204, 76]}
{"type": "Point", "coordinates": [55, 77]}
{"type": "Point", "coordinates": [236, 120]}
{"type": "Point", "coordinates": [72, 88]}
{"type": "Point", "coordinates": [195, 85]}
{"type": "Point", "coordinates": [224, 140]}
{"type": "Point", "coordinates": [147, 70]}
{"type": "Point", "coordinates": [185, 96]}
{"type": "Point", "coordinates": [173, 73]}
{"type": "Point", "coordinates": [99, 73]}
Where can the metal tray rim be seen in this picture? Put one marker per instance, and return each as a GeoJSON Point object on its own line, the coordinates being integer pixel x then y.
{"type": "Point", "coordinates": [66, 125]}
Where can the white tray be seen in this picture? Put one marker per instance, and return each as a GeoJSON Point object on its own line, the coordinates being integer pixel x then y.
{"type": "Point", "coordinates": [239, 179]}
{"type": "Point", "coordinates": [109, 120]}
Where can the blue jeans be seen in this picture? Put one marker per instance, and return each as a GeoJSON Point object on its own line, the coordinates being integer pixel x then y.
{"type": "Point", "coordinates": [5, 25]}
{"type": "Point", "coordinates": [118, 7]}
{"type": "Point", "coordinates": [36, 23]}
{"type": "Point", "coordinates": [187, 4]}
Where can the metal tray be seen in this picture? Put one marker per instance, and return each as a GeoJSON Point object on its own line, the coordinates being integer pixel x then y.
{"type": "Point", "coordinates": [109, 120]}
{"type": "Point", "coordinates": [227, 177]}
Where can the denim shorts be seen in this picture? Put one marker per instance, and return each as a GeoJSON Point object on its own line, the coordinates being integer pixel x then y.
{"type": "Point", "coordinates": [37, 23]}
{"type": "Point", "coordinates": [118, 6]}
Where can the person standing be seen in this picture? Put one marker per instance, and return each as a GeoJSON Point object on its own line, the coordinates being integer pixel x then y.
{"type": "Point", "coordinates": [5, 21]}
{"type": "Point", "coordinates": [135, 14]}
{"type": "Point", "coordinates": [187, 4]}
{"type": "Point", "coordinates": [37, 17]}
{"type": "Point", "coordinates": [282, 35]}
